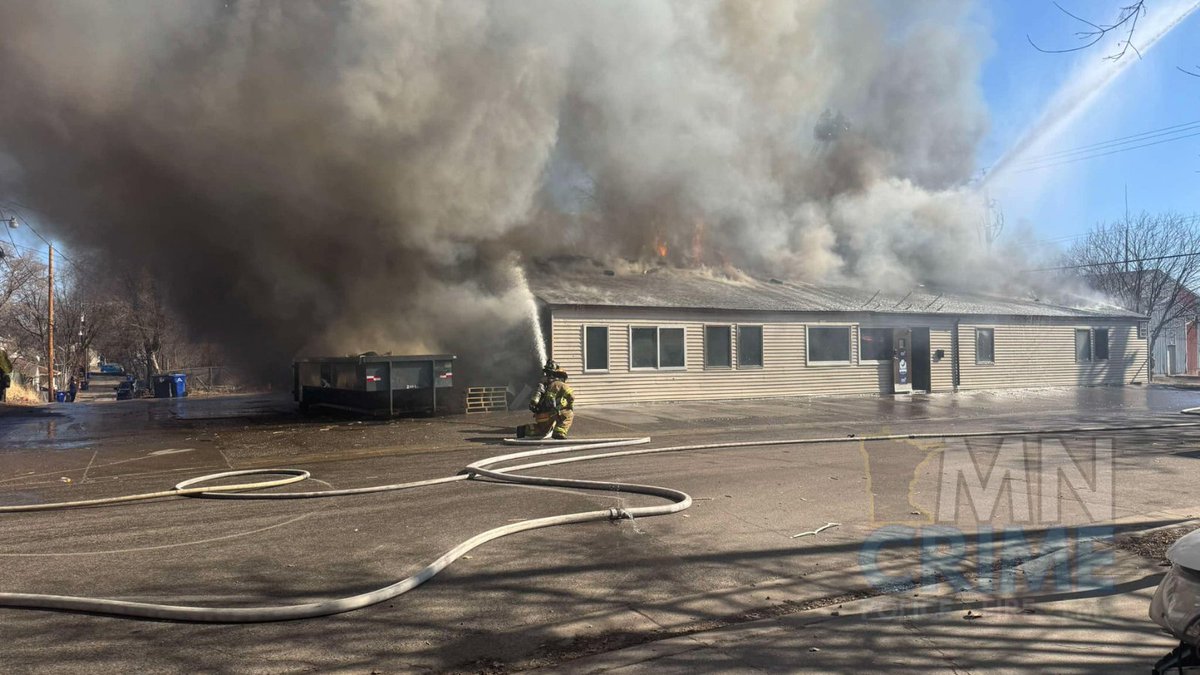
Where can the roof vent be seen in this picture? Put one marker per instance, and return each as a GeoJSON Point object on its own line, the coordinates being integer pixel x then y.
{"type": "Point", "coordinates": [776, 281]}
{"type": "Point", "coordinates": [609, 273]}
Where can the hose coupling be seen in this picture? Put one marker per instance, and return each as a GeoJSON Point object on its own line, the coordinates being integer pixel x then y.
{"type": "Point", "coordinates": [619, 514]}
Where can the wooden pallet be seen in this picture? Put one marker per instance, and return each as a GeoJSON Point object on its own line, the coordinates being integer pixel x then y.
{"type": "Point", "coordinates": [486, 399]}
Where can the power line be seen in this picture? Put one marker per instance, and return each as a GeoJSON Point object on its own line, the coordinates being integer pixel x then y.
{"type": "Point", "coordinates": [17, 215]}
{"type": "Point", "coordinates": [1117, 262]}
{"type": "Point", "coordinates": [1054, 240]}
{"type": "Point", "coordinates": [1105, 154]}
{"type": "Point", "coordinates": [1081, 235]}
{"type": "Point", "coordinates": [1122, 140]}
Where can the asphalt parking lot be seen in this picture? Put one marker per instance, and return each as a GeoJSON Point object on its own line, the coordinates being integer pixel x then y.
{"type": "Point", "coordinates": [541, 598]}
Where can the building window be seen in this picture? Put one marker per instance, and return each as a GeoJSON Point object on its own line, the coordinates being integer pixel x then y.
{"type": "Point", "coordinates": [595, 349]}
{"type": "Point", "coordinates": [828, 345]}
{"type": "Point", "coordinates": [671, 350]}
{"type": "Point", "coordinates": [874, 344]}
{"type": "Point", "coordinates": [750, 346]}
{"type": "Point", "coordinates": [1083, 345]}
{"type": "Point", "coordinates": [1142, 326]}
{"type": "Point", "coordinates": [643, 348]}
{"type": "Point", "coordinates": [985, 345]}
{"type": "Point", "coordinates": [656, 348]}
{"type": "Point", "coordinates": [718, 347]}
{"type": "Point", "coordinates": [1100, 344]}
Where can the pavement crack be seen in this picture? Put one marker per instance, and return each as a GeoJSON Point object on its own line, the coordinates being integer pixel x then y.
{"type": "Point", "coordinates": [911, 627]}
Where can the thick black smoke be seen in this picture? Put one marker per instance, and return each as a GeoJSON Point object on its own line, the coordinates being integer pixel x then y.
{"type": "Point", "coordinates": [340, 176]}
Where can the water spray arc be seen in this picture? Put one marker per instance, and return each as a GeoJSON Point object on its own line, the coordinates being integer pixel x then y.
{"type": "Point", "coordinates": [1086, 86]}
{"type": "Point", "coordinates": [530, 307]}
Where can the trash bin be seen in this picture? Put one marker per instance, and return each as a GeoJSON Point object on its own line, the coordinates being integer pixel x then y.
{"type": "Point", "coordinates": [162, 385]}
{"type": "Point", "coordinates": [60, 396]}
{"type": "Point", "coordinates": [179, 385]}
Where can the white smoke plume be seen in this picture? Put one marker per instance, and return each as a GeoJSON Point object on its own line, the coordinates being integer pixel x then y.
{"type": "Point", "coordinates": [325, 176]}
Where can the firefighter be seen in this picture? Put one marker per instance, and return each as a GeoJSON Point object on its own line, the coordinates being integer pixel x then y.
{"type": "Point", "coordinates": [552, 405]}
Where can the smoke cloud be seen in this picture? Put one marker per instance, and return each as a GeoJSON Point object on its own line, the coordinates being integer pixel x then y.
{"type": "Point", "coordinates": [310, 176]}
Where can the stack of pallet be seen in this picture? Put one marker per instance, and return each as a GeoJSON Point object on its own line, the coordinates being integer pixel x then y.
{"type": "Point", "coordinates": [486, 399]}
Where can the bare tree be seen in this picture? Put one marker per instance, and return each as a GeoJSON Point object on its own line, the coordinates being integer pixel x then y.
{"type": "Point", "coordinates": [26, 318]}
{"type": "Point", "coordinates": [143, 332]}
{"type": "Point", "coordinates": [1147, 264]}
{"type": "Point", "coordinates": [1125, 24]}
{"type": "Point", "coordinates": [82, 314]}
{"type": "Point", "coordinates": [143, 316]}
{"type": "Point", "coordinates": [16, 271]}
{"type": "Point", "coordinates": [1092, 32]}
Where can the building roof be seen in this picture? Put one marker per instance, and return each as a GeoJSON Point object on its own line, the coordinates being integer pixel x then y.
{"type": "Point", "coordinates": [699, 289]}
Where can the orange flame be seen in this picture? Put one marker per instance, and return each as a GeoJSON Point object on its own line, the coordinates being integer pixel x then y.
{"type": "Point", "coordinates": [660, 247]}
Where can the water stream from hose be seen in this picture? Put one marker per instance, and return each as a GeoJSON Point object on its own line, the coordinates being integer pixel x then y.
{"type": "Point", "coordinates": [535, 322]}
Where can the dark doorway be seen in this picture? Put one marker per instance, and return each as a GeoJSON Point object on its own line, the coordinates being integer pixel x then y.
{"type": "Point", "coordinates": [920, 359]}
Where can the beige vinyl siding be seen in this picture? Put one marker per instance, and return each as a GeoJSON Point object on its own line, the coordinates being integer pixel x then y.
{"type": "Point", "coordinates": [1033, 353]}
{"type": "Point", "coordinates": [942, 370]}
{"type": "Point", "coordinates": [1028, 353]}
{"type": "Point", "coordinates": [785, 371]}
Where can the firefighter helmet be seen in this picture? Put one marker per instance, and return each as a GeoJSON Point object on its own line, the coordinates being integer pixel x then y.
{"type": "Point", "coordinates": [551, 367]}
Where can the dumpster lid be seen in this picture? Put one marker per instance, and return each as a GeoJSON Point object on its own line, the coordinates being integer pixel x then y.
{"type": "Point", "coordinates": [370, 357]}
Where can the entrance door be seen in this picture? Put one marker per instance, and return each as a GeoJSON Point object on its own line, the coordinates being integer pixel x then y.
{"type": "Point", "coordinates": [920, 360]}
{"type": "Point", "coordinates": [1170, 360]}
{"type": "Point", "coordinates": [902, 361]}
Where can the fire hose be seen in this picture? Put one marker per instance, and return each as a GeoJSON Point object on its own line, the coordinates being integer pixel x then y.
{"type": "Point", "coordinates": [677, 501]}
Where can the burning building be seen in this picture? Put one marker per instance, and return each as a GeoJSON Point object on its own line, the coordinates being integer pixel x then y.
{"type": "Point", "coordinates": [665, 334]}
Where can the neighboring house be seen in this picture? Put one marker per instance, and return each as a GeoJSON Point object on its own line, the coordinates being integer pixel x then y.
{"type": "Point", "coordinates": [1171, 345]}
{"type": "Point", "coordinates": [1175, 349]}
{"type": "Point", "coordinates": [677, 335]}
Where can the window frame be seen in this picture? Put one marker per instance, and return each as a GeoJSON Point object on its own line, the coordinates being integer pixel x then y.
{"type": "Point", "coordinates": [1107, 343]}
{"type": "Point", "coordinates": [735, 347]}
{"type": "Point", "coordinates": [1091, 344]}
{"type": "Point", "coordinates": [861, 360]}
{"type": "Point", "coordinates": [633, 368]}
{"type": "Point", "coordinates": [1143, 329]}
{"type": "Point", "coordinates": [607, 347]}
{"type": "Point", "coordinates": [658, 349]}
{"type": "Point", "coordinates": [683, 329]}
{"type": "Point", "coordinates": [849, 344]}
{"type": "Point", "coordinates": [978, 361]}
{"type": "Point", "coordinates": [732, 351]}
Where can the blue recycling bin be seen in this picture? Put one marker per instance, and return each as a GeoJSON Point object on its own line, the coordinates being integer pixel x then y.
{"type": "Point", "coordinates": [179, 385]}
{"type": "Point", "coordinates": [60, 396]}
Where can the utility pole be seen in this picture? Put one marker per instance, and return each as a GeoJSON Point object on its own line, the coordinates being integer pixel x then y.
{"type": "Point", "coordinates": [50, 329]}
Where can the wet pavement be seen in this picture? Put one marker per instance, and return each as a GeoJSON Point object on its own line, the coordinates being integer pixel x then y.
{"type": "Point", "coordinates": [535, 599]}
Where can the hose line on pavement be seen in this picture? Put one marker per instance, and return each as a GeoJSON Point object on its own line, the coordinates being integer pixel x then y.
{"type": "Point", "coordinates": [676, 501]}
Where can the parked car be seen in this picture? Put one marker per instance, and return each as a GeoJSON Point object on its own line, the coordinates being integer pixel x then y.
{"type": "Point", "coordinates": [111, 369]}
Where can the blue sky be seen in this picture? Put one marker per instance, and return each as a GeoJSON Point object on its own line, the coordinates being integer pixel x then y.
{"type": "Point", "coordinates": [1018, 82]}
